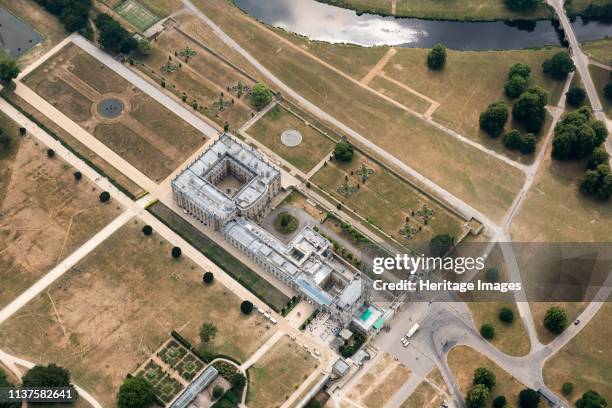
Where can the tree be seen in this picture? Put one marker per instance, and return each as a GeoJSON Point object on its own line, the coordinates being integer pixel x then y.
{"type": "Point", "coordinates": [176, 252]}
{"type": "Point", "coordinates": [512, 139]}
{"type": "Point", "coordinates": [529, 109]}
{"type": "Point", "coordinates": [601, 131]}
{"type": "Point", "coordinates": [112, 36]}
{"type": "Point", "coordinates": [520, 69]}
{"type": "Point", "coordinates": [589, 183]}
{"type": "Point", "coordinates": [441, 244]}
{"type": "Point", "coordinates": [506, 315]}
{"type": "Point", "coordinates": [484, 376]}
{"type": "Point", "coordinates": [591, 399]}
{"type": "Point", "coordinates": [604, 192]}
{"type": "Point", "coordinates": [436, 57]}
{"type": "Point", "coordinates": [555, 319]}
{"type": "Point", "coordinates": [147, 230]}
{"type": "Point", "coordinates": [575, 96]}
{"type": "Point", "coordinates": [528, 143]}
{"type": "Point", "coordinates": [217, 392]}
{"type": "Point", "coordinates": [144, 46]}
{"type": "Point", "coordinates": [22, 131]}
{"type": "Point", "coordinates": [559, 65]}
{"type": "Point", "coordinates": [246, 307]}
{"type": "Point", "coordinates": [343, 151]}
{"type": "Point", "coordinates": [8, 70]}
{"type": "Point", "coordinates": [208, 278]}
{"type": "Point", "coordinates": [72, 13]}
{"type": "Point", "coordinates": [77, 175]}
{"type": "Point", "coordinates": [208, 331]}
{"type": "Point", "coordinates": [567, 388]}
{"type": "Point", "coordinates": [5, 383]}
{"type": "Point", "coordinates": [500, 402]}
{"type": "Point", "coordinates": [515, 86]}
{"type": "Point", "coordinates": [41, 376]}
{"type": "Point", "coordinates": [136, 392]}
{"type": "Point", "coordinates": [529, 398]}
{"type": "Point", "coordinates": [598, 156]}
{"type": "Point", "coordinates": [477, 397]}
{"type": "Point", "coordinates": [522, 5]}
{"type": "Point", "coordinates": [261, 95]}
{"type": "Point", "coordinates": [104, 196]}
{"type": "Point", "coordinates": [494, 118]}
{"type": "Point", "coordinates": [487, 331]}
{"type": "Point", "coordinates": [50, 153]}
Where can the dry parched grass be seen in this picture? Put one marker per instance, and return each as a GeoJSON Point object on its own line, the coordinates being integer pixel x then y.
{"type": "Point", "coordinates": [118, 305]}
{"type": "Point", "coordinates": [277, 374]}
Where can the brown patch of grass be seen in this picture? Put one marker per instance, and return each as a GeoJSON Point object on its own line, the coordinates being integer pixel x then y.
{"type": "Point", "coordinates": [538, 310]}
{"type": "Point", "coordinates": [119, 304]}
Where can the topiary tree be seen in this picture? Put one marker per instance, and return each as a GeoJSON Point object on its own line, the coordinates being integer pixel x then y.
{"type": "Point", "coordinates": [515, 86]}
{"type": "Point", "coordinates": [261, 95]}
{"type": "Point", "coordinates": [500, 402]}
{"type": "Point", "coordinates": [51, 375]}
{"type": "Point", "coordinates": [555, 319]}
{"type": "Point", "coordinates": [487, 331]}
{"type": "Point", "coordinates": [50, 153]}
{"type": "Point", "coordinates": [176, 252]}
{"type": "Point", "coordinates": [575, 96]}
{"type": "Point", "coordinates": [477, 397]}
{"type": "Point", "coordinates": [135, 392]}
{"type": "Point", "coordinates": [506, 315]}
{"type": "Point", "coordinates": [246, 307]}
{"type": "Point", "coordinates": [104, 196]}
{"type": "Point", "coordinates": [22, 131]}
{"type": "Point", "coordinates": [441, 244]}
{"type": "Point", "coordinates": [567, 388]}
{"type": "Point", "coordinates": [559, 65]}
{"type": "Point", "coordinates": [529, 398]}
{"type": "Point", "coordinates": [208, 278]}
{"type": "Point", "coordinates": [484, 376]}
{"type": "Point", "coordinates": [77, 175]}
{"type": "Point", "coordinates": [147, 230]}
{"type": "Point", "coordinates": [344, 151]}
{"type": "Point", "coordinates": [494, 118]}
{"type": "Point", "coordinates": [437, 57]}
{"type": "Point", "coordinates": [591, 399]}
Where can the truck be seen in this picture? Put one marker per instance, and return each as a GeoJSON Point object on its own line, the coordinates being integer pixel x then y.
{"type": "Point", "coordinates": [412, 330]}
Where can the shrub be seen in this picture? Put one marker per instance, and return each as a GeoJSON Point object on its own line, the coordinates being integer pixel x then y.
{"type": "Point", "coordinates": [567, 388]}
{"type": "Point", "coordinates": [343, 151]}
{"type": "Point", "coordinates": [208, 277]}
{"type": "Point", "coordinates": [261, 95]}
{"type": "Point", "coordinates": [104, 196]}
{"type": "Point", "coordinates": [22, 131]}
{"type": "Point", "coordinates": [246, 307]}
{"type": "Point", "coordinates": [176, 252]}
{"type": "Point", "coordinates": [208, 331]}
{"type": "Point", "coordinates": [77, 175]}
{"type": "Point", "coordinates": [50, 153]}
{"type": "Point", "coordinates": [487, 331]}
{"type": "Point", "coordinates": [147, 230]}
{"type": "Point", "coordinates": [575, 96]}
{"type": "Point", "coordinates": [555, 319]}
{"type": "Point", "coordinates": [436, 59]}
{"type": "Point", "coordinates": [506, 315]}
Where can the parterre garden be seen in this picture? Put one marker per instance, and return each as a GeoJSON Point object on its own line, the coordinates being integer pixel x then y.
{"type": "Point", "coordinates": [166, 387]}
{"type": "Point", "coordinates": [145, 133]}
{"type": "Point", "coordinates": [201, 79]}
{"type": "Point", "coordinates": [100, 320]}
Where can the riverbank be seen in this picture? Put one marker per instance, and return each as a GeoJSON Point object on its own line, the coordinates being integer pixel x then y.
{"type": "Point", "coordinates": [454, 10]}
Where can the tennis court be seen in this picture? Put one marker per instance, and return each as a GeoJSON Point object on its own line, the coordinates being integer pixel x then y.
{"type": "Point", "coordinates": [137, 15]}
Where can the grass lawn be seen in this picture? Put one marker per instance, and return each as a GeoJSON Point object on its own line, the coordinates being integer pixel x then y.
{"type": "Point", "coordinates": [555, 211]}
{"type": "Point", "coordinates": [463, 361]}
{"type": "Point", "coordinates": [226, 261]}
{"type": "Point", "coordinates": [600, 50]}
{"type": "Point", "coordinates": [149, 136]}
{"type": "Point", "coordinates": [276, 375]}
{"type": "Point", "coordinates": [117, 306]}
{"type": "Point", "coordinates": [448, 10]}
{"type": "Point", "coordinates": [204, 78]}
{"type": "Point", "coordinates": [46, 214]}
{"type": "Point", "coordinates": [600, 78]}
{"type": "Point", "coordinates": [400, 95]}
{"type": "Point", "coordinates": [425, 395]}
{"type": "Point", "coordinates": [385, 200]}
{"type": "Point", "coordinates": [313, 148]}
{"type": "Point", "coordinates": [586, 361]}
{"type": "Point", "coordinates": [376, 387]}
{"type": "Point", "coordinates": [469, 82]}
{"type": "Point", "coordinates": [486, 183]}
{"type": "Point", "coordinates": [538, 310]}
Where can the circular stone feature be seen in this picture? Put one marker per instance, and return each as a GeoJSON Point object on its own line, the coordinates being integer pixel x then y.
{"type": "Point", "coordinates": [291, 137]}
{"type": "Point", "coordinates": [110, 108]}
